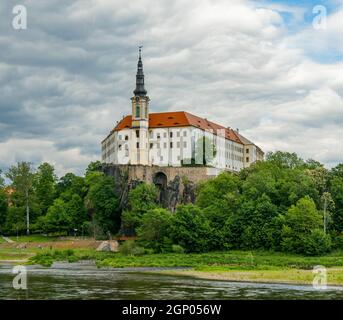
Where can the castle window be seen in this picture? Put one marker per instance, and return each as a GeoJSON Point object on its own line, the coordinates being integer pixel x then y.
{"type": "Point", "coordinates": [178, 134]}
{"type": "Point", "coordinates": [137, 133]}
{"type": "Point", "coordinates": [247, 159]}
{"type": "Point", "coordinates": [119, 147]}
{"type": "Point", "coordinates": [126, 138]}
{"type": "Point", "coordinates": [165, 135]}
{"type": "Point", "coordinates": [178, 145]}
{"type": "Point", "coordinates": [158, 135]}
{"type": "Point", "coordinates": [185, 144]}
{"type": "Point", "coordinates": [151, 134]}
{"type": "Point", "coordinates": [171, 134]}
{"type": "Point", "coordinates": [171, 145]}
{"type": "Point", "coordinates": [185, 133]}
{"type": "Point", "coordinates": [247, 150]}
{"type": "Point", "coordinates": [151, 145]}
{"type": "Point", "coordinates": [137, 145]}
{"type": "Point", "coordinates": [165, 145]}
{"type": "Point", "coordinates": [138, 111]}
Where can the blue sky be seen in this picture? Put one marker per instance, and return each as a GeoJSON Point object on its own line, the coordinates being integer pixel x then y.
{"type": "Point", "coordinates": [258, 66]}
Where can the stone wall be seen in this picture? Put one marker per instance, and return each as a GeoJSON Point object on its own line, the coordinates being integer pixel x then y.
{"type": "Point", "coordinates": [177, 185]}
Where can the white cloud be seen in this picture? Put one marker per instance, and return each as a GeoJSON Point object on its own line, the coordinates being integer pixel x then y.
{"type": "Point", "coordinates": [66, 81]}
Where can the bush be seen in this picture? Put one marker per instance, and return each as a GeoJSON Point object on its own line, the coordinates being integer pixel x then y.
{"type": "Point", "coordinates": [130, 248]}
{"type": "Point", "coordinates": [191, 229]}
{"type": "Point", "coordinates": [177, 248]}
{"type": "Point", "coordinates": [317, 243]}
{"type": "Point", "coordinates": [155, 229]}
{"type": "Point", "coordinates": [337, 242]}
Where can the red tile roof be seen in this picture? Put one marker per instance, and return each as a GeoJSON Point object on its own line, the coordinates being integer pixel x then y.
{"type": "Point", "coordinates": [179, 119]}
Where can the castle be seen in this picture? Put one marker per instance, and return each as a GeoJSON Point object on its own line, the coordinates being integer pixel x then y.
{"type": "Point", "coordinates": [174, 139]}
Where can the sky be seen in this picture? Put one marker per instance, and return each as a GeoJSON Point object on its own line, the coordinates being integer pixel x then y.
{"type": "Point", "coordinates": [268, 68]}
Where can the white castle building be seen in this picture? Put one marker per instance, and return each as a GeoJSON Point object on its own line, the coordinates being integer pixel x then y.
{"type": "Point", "coordinates": [174, 138]}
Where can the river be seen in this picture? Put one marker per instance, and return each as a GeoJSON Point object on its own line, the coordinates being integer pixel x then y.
{"type": "Point", "coordinates": [85, 281]}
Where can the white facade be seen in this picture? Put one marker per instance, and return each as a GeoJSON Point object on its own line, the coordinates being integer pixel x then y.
{"type": "Point", "coordinates": [174, 146]}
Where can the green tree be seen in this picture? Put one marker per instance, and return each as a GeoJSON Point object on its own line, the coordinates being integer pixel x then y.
{"type": "Point", "coordinates": [76, 211]}
{"type": "Point", "coordinates": [154, 231]}
{"type": "Point", "coordinates": [44, 184]}
{"type": "Point", "coordinates": [191, 229]}
{"type": "Point", "coordinates": [57, 218]}
{"type": "Point", "coordinates": [317, 243]}
{"type": "Point", "coordinates": [103, 204]}
{"type": "Point", "coordinates": [300, 220]}
{"type": "Point", "coordinates": [3, 208]}
{"type": "Point", "coordinates": [336, 190]}
{"type": "Point", "coordinates": [143, 198]}
{"type": "Point", "coordinates": [219, 200]}
{"type": "Point", "coordinates": [21, 177]}
{"type": "Point", "coordinates": [285, 159]}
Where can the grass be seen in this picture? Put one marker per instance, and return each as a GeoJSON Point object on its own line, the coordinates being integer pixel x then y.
{"type": "Point", "coordinates": [15, 254]}
{"type": "Point", "coordinates": [256, 266]}
{"type": "Point", "coordinates": [32, 238]}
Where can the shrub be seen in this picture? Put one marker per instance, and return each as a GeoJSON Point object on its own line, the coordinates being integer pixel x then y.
{"type": "Point", "coordinates": [130, 248]}
{"type": "Point", "coordinates": [317, 243]}
{"type": "Point", "coordinates": [154, 230]}
{"type": "Point", "coordinates": [177, 248]}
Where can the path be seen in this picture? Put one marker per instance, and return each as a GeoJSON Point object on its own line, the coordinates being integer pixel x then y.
{"type": "Point", "coordinates": [7, 239]}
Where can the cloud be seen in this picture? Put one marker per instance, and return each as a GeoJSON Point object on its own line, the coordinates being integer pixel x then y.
{"type": "Point", "coordinates": [67, 79]}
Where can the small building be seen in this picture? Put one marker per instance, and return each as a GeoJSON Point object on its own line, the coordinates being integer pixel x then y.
{"type": "Point", "coordinates": [174, 139]}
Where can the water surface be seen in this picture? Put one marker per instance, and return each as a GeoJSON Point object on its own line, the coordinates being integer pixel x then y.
{"type": "Point", "coordinates": [85, 281]}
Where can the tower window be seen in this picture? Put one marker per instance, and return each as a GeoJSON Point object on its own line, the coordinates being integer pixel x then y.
{"type": "Point", "coordinates": [137, 145]}
{"type": "Point", "coordinates": [247, 150]}
{"type": "Point", "coordinates": [247, 159]}
{"type": "Point", "coordinates": [138, 110]}
{"type": "Point", "coordinates": [137, 133]}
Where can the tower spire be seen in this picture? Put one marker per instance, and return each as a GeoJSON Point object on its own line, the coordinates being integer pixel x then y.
{"type": "Point", "coordinates": [140, 89]}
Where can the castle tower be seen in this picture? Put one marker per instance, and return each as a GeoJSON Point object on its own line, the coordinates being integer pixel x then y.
{"type": "Point", "coordinates": [140, 119]}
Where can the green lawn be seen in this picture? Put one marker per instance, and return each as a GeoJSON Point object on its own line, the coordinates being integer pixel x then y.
{"type": "Point", "coordinates": [32, 238]}
{"type": "Point", "coordinates": [220, 261]}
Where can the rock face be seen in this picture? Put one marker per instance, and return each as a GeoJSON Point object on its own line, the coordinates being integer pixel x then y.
{"type": "Point", "coordinates": [111, 245]}
{"type": "Point", "coordinates": [176, 185]}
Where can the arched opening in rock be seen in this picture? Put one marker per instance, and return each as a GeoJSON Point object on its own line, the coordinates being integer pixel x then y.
{"type": "Point", "coordinates": [160, 181]}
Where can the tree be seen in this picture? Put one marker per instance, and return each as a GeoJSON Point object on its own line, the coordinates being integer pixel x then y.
{"type": "Point", "coordinates": [300, 221]}
{"type": "Point", "coordinates": [71, 184]}
{"type": "Point", "coordinates": [95, 166]}
{"type": "Point", "coordinates": [2, 181]}
{"type": "Point", "coordinates": [154, 231]}
{"type": "Point", "coordinates": [191, 229]}
{"type": "Point", "coordinates": [219, 199]}
{"type": "Point", "coordinates": [21, 177]}
{"type": "Point", "coordinates": [3, 208]}
{"type": "Point", "coordinates": [336, 190]}
{"type": "Point", "coordinates": [140, 200]}
{"type": "Point", "coordinates": [44, 184]}
{"type": "Point", "coordinates": [57, 218]}
{"type": "Point", "coordinates": [317, 243]}
{"type": "Point", "coordinates": [103, 204]}
{"type": "Point", "coordinates": [76, 211]}
{"type": "Point", "coordinates": [251, 226]}
{"type": "Point", "coordinates": [285, 159]}
{"type": "Point", "coordinates": [143, 198]}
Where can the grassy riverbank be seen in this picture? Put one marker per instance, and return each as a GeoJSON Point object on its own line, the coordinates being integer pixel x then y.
{"type": "Point", "coordinates": [256, 266]}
